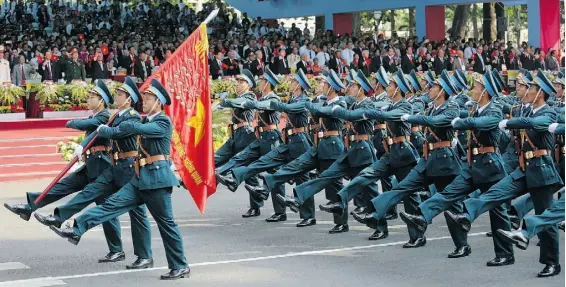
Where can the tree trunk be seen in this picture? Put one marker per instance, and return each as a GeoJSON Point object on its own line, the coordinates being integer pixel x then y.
{"type": "Point", "coordinates": [392, 21]}
{"type": "Point", "coordinates": [489, 23]}
{"type": "Point", "coordinates": [461, 17]}
{"type": "Point", "coordinates": [475, 21]}
{"type": "Point", "coordinates": [500, 14]}
{"type": "Point", "coordinates": [517, 9]}
{"type": "Point", "coordinates": [412, 28]}
{"type": "Point", "coordinates": [356, 23]}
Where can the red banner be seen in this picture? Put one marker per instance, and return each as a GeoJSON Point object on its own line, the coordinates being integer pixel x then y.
{"type": "Point", "coordinates": [185, 76]}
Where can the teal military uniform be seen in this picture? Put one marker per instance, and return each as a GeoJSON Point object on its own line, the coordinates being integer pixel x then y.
{"type": "Point", "coordinates": [399, 161]}
{"type": "Point", "coordinates": [535, 224]}
{"type": "Point", "coordinates": [538, 178]}
{"type": "Point", "coordinates": [440, 164]}
{"type": "Point", "coordinates": [297, 143]}
{"type": "Point", "coordinates": [111, 180]}
{"type": "Point", "coordinates": [484, 169]}
{"type": "Point", "coordinates": [267, 141]}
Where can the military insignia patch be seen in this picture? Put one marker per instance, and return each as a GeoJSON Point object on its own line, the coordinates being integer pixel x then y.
{"type": "Point", "coordinates": [132, 112]}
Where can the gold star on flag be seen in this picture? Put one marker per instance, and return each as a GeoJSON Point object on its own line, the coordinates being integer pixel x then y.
{"type": "Point", "coordinates": [197, 121]}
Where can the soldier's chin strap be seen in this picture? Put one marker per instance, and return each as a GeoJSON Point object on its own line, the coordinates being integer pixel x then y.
{"type": "Point", "coordinates": [101, 102]}
{"type": "Point", "coordinates": [129, 99]}
{"type": "Point", "coordinates": [440, 92]}
{"type": "Point", "coordinates": [153, 108]}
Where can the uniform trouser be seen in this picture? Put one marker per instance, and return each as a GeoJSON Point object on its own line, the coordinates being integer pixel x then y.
{"type": "Point", "coordinates": [386, 185]}
{"type": "Point", "coordinates": [367, 179]}
{"type": "Point", "coordinates": [70, 184]}
{"type": "Point", "coordinates": [336, 171]}
{"type": "Point", "coordinates": [158, 202]}
{"type": "Point", "coordinates": [456, 192]}
{"type": "Point", "coordinates": [524, 204]}
{"type": "Point", "coordinates": [98, 191]}
{"type": "Point", "coordinates": [300, 167]}
{"type": "Point", "coordinates": [245, 157]}
{"type": "Point", "coordinates": [412, 183]}
{"type": "Point", "coordinates": [226, 152]}
{"type": "Point", "coordinates": [534, 224]}
{"type": "Point", "coordinates": [270, 161]}
{"type": "Point", "coordinates": [509, 188]}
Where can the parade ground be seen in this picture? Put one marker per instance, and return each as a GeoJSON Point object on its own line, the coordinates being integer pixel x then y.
{"type": "Point", "coordinates": [226, 250]}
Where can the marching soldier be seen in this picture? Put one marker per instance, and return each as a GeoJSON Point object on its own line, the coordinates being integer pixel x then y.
{"type": "Point", "coordinates": [461, 98]}
{"type": "Point", "coordinates": [125, 150]}
{"type": "Point", "coordinates": [152, 185]}
{"type": "Point", "coordinates": [241, 131]}
{"type": "Point", "coordinates": [330, 144]}
{"type": "Point", "coordinates": [96, 161]}
{"type": "Point", "coordinates": [536, 173]}
{"type": "Point", "coordinates": [296, 143]}
{"type": "Point", "coordinates": [484, 169]}
{"type": "Point", "coordinates": [440, 163]}
{"type": "Point", "coordinates": [268, 135]}
{"type": "Point", "coordinates": [399, 159]}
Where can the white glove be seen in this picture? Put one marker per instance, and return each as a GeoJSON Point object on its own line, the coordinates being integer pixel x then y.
{"type": "Point", "coordinates": [384, 108]}
{"type": "Point", "coordinates": [173, 167]}
{"type": "Point", "coordinates": [223, 95]}
{"type": "Point", "coordinates": [100, 127]}
{"type": "Point", "coordinates": [454, 121]}
{"type": "Point", "coordinates": [552, 127]}
{"type": "Point", "coordinates": [454, 142]}
{"type": "Point", "coordinates": [78, 151]}
{"type": "Point", "coordinates": [405, 117]}
{"type": "Point", "coordinates": [503, 125]}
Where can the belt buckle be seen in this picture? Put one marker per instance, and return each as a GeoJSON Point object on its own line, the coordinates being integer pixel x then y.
{"type": "Point", "coordinates": [352, 137]}
{"type": "Point", "coordinates": [88, 152]}
{"type": "Point", "coordinates": [475, 151]}
{"type": "Point", "coordinates": [389, 141]}
{"type": "Point", "coordinates": [320, 134]}
{"type": "Point", "coordinates": [430, 146]}
{"type": "Point", "coordinates": [234, 127]}
{"type": "Point", "coordinates": [115, 156]}
{"type": "Point", "coordinates": [260, 129]}
{"type": "Point", "coordinates": [529, 155]}
{"type": "Point", "coordinates": [142, 162]}
{"type": "Point", "coordinates": [289, 131]}
{"type": "Point", "coordinates": [563, 149]}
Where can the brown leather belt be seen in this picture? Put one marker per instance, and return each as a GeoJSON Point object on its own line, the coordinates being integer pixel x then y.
{"type": "Point", "coordinates": [482, 150]}
{"type": "Point", "coordinates": [380, 126]}
{"type": "Point", "coordinates": [415, 129]}
{"type": "Point", "coordinates": [296, 130]}
{"type": "Point", "coordinates": [536, 153]}
{"type": "Point", "coordinates": [97, 149]}
{"type": "Point", "coordinates": [237, 126]}
{"type": "Point", "coordinates": [330, 134]}
{"type": "Point", "coordinates": [314, 127]}
{"type": "Point", "coordinates": [267, 128]}
{"type": "Point", "coordinates": [152, 159]}
{"type": "Point", "coordinates": [438, 145]}
{"type": "Point", "coordinates": [359, 137]}
{"type": "Point", "coordinates": [124, 155]}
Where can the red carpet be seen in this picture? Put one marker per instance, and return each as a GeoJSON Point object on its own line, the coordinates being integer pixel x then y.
{"type": "Point", "coordinates": [32, 153]}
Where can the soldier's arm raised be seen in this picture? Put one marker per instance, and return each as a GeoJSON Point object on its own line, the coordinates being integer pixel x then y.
{"type": "Point", "coordinates": [483, 123]}
{"type": "Point", "coordinates": [154, 129]}
{"type": "Point", "coordinates": [442, 120]}
{"type": "Point", "coordinates": [540, 123]}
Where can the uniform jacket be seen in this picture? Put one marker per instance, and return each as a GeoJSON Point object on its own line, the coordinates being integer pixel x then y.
{"type": "Point", "coordinates": [487, 167]}
{"type": "Point", "coordinates": [378, 133]}
{"type": "Point", "coordinates": [99, 161]}
{"type": "Point", "coordinates": [155, 138]}
{"type": "Point", "coordinates": [539, 171]}
{"type": "Point", "coordinates": [297, 117]}
{"type": "Point", "coordinates": [441, 161]}
{"type": "Point", "coordinates": [268, 140]}
{"type": "Point", "coordinates": [332, 147]}
{"type": "Point", "coordinates": [245, 135]}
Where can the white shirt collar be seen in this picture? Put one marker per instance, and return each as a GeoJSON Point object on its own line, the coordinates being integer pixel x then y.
{"type": "Point", "coordinates": [120, 113]}
{"type": "Point", "coordinates": [537, 109]}
{"type": "Point", "coordinates": [150, 118]}
{"type": "Point", "coordinates": [481, 109]}
{"type": "Point", "coordinates": [328, 102]}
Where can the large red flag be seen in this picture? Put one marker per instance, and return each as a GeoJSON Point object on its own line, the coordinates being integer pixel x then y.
{"type": "Point", "coordinates": [185, 76]}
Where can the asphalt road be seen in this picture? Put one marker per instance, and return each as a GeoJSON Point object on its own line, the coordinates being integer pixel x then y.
{"type": "Point", "coordinates": [226, 250]}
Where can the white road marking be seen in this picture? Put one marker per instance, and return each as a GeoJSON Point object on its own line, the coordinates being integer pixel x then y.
{"type": "Point", "coordinates": [34, 283]}
{"type": "Point", "coordinates": [252, 259]}
{"type": "Point", "coordinates": [12, 266]}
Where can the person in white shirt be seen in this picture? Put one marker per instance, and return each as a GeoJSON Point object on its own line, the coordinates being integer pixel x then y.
{"type": "Point", "coordinates": [348, 53]}
{"type": "Point", "coordinates": [293, 59]}
{"type": "Point", "coordinates": [5, 75]}
{"type": "Point", "coordinates": [323, 56]}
